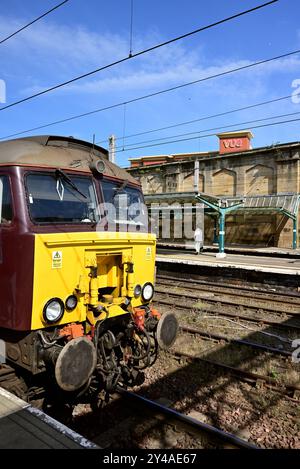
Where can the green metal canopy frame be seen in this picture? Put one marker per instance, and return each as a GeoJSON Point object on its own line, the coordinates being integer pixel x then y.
{"type": "Point", "coordinates": [287, 204]}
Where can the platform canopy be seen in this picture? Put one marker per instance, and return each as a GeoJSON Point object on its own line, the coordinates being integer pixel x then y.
{"type": "Point", "coordinates": [218, 207]}
{"type": "Point", "coordinates": [286, 204]}
{"type": "Point", "coordinates": [171, 197]}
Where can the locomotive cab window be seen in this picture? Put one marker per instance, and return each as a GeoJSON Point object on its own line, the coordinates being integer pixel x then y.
{"type": "Point", "coordinates": [124, 204]}
{"type": "Point", "coordinates": [61, 198]}
{"type": "Point", "coordinates": [5, 201]}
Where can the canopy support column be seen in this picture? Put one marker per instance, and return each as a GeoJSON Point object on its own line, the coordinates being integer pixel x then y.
{"type": "Point", "coordinates": [216, 239]}
{"type": "Point", "coordinates": [222, 208]}
{"type": "Point", "coordinates": [295, 232]}
{"type": "Point", "coordinates": [221, 254]}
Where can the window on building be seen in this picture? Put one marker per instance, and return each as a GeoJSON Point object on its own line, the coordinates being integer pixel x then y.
{"type": "Point", "coordinates": [5, 201]}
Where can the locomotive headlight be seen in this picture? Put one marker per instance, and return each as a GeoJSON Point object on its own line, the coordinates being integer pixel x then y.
{"type": "Point", "coordinates": [53, 310]}
{"type": "Point", "coordinates": [71, 302]}
{"type": "Point", "coordinates": [137, 291]}
{"type": "Point", "coordinates": [148, 291]}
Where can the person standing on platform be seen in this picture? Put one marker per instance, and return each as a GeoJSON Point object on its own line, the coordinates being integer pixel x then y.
{"type": "Point", "coordinates": [198, 237]}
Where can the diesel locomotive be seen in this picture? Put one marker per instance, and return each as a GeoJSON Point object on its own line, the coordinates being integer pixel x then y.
{"type": "Point", "coordinates": [77, 270]}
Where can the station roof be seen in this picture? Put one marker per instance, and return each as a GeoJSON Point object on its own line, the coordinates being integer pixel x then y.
{"type": "Point", "coordinates": [169, 156]}
{"type": "Point", "coordinates": [286, 203]}
{"type": "Point", "coordinates": [203, 157]}
{"type": "Point", "coordinates": [171, 197]}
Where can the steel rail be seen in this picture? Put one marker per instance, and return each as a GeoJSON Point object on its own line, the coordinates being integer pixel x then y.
{"type": "Point", "coordinates": [292, 296]}
{"type": "Point", "coordinates": [232, 298]}
{"type": "Point", "coordinates": [177, 305]}
{"type": "Point", "coordinates": [221, 434]}
{"type": "Point", "coordinates": [247, 375]}
{"type": "Point", "coordinates": [219, 337]}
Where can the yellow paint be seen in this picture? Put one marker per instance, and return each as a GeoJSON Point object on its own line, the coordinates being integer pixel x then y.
{"type": "Point", "coordinates": [89, 261]}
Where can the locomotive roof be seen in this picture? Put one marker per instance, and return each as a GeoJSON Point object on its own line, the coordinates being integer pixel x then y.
{"type": "Point", "coordinates": [58, 152]}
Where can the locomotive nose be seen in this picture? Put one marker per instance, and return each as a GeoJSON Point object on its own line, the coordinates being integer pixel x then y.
{"type": "Point", "coordinates": [75, 364]}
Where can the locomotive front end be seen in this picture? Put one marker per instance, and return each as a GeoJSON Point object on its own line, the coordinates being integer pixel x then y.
{"type": "Point", "coordinates": [78, 268]}
{"type": "Point", "coordinates": [92, 308]}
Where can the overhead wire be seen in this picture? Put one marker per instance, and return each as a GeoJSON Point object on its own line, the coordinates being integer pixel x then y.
{"type": "Point", "coordinates": [137, 54]}
{"type": "Point", "coordinates": [131, 27]}
{"type": "Point", "coordinates": [161, 139]}
{"type": "Point", "coordinates": [33, 21]}
{"type": "Point", "coordinates": [207, 135]}
{"type": "Point", "coordinates": [150, 95]}
{"type": "Point", "coordinates": [220, 114]}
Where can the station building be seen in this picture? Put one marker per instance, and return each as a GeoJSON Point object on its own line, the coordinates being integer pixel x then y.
{"type": "Point", "coordinates": [265, 181]}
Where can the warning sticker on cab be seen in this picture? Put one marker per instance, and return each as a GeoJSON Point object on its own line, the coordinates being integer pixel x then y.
{"type": "Point", "coordinates": [148, 253]}
{"type": "Point", "coordinates": [56, 259]}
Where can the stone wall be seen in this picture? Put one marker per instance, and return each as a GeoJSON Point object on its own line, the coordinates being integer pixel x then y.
{"type": "Point", "coordinates": [263, 171]}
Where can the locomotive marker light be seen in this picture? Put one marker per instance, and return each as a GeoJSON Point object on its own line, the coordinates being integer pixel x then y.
{"type": "Point", "coordinates": [137, 291]}
{"type": "Point", "coordinates": [98, 166]}
{"type": "Point", "coordinates": [53, 310]}
{"type": "Point", "coordinates": [167, 330]}
{"type": "Point", "coordinates": [148, 291]}
{"type": "Point", "coordinates": [71, 302]}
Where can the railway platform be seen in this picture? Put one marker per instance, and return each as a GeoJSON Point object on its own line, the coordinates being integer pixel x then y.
{"type": "Point", "coordinates": [25, 427]}
{"type": "Point", "coordinates": [284, 272]}
{"type": "Point", "coordinates": [243, 250]}
{"type": "Point", "coordinates": [266, 264]}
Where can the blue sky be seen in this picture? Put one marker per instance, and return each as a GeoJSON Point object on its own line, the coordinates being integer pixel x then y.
{"type": "Point", "coordinates": [83, 35]}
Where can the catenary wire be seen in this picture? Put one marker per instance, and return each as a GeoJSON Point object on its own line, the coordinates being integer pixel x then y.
{"type": "Point", "coordinates": [33, 21]}
{"type": "Point", "coordinates": [161, 139]}
{"type": "Point", "coordinates": [225, 113]}
{"type": "Point", "coordinates": [131, 27]}
{"type": "Point", "coordinates": [208, 135]}
{"type": "Point", "coordinates": [137, 54]}
{"type": "Point", "coordinates": [150, 95]}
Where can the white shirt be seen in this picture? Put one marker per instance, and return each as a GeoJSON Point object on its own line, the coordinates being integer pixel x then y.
{"type": "Point", "coordinates": [198, 235]}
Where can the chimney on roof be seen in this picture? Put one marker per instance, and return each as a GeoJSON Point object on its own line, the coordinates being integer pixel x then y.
{"type": "Point", "coordinates": [235, 142]}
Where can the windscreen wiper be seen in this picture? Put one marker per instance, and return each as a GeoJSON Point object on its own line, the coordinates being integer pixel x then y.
{"type": "Point", "coordinates": [119, 189]}
{"type": "Point", "coordinates": [60, 174]}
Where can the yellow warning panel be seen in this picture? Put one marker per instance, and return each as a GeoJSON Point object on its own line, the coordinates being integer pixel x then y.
{"type": "Point", "coordinates": [56, 259]}
{"type": "Point", "coordinates": [148, 253]}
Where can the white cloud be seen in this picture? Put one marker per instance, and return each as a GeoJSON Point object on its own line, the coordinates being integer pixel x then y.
{"type": "Point", "coordinates": [57, 53]}
{"type": "Point", "coordinates": [62, 44]}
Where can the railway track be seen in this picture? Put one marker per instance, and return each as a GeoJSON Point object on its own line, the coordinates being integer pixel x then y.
{"type": "Point", "coordinates": [15, 384]}
{"type": "Point", "coordinates": [288, 390]}
{"type": "Point", "coordinates": [183, 300]}
{"type": "Point", "coordinates": [262, 300]}
{"type": "Point", "coordinates": [11, 382]}
{"type": "Point", "coordinates": [174, 415]}
{"type": "Point", "coordinates": [222, 338]}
